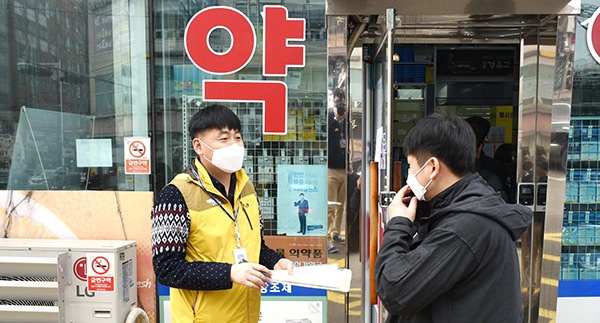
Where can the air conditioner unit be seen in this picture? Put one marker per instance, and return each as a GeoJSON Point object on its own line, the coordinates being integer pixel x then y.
{"type": "Point", "coordinates": [47, 280]}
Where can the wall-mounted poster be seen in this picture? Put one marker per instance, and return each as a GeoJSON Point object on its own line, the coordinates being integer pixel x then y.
{"type": "Point", "coordinates": [302, 200]}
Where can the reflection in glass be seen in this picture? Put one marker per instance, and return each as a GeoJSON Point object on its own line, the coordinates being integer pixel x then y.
{"type": "Point", "coordinates": [35, 164]}
{"type": "Point", "coordinates": [76, 71]}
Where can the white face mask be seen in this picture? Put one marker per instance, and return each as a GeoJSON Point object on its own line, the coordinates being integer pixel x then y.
{"type": "Point", "coordinates": [228, 159]}
{"type": "Point", "coordinates": [416, 187]}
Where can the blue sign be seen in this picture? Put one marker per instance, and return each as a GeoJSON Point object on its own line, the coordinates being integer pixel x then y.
{"type": "Point", "coordinates": [282, 289]}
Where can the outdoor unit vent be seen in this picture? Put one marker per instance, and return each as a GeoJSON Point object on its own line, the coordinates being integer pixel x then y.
{"type": "Point", "coordinates": [28, 288]}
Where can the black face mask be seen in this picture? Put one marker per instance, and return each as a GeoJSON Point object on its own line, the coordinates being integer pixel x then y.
{"type": "Point", "coordinates": [341, 108]}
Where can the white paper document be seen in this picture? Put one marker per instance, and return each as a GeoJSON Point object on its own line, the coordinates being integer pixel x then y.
{"type": "Point", "coordinates": [328, 277]}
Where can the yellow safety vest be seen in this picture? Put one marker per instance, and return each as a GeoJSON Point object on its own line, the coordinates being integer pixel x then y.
{"type": "Point", "coordinates": [212, 239]}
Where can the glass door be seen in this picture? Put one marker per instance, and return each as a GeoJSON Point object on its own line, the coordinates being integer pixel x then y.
{"type": "Point", "coordinates": [377, 170]}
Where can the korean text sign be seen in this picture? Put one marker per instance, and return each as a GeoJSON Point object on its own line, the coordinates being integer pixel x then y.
{"type": "Point", "coordinates": [278, 55]}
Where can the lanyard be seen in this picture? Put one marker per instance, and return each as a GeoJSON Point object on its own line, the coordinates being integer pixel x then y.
{"type": "Point", "coordinates": [237, 235]}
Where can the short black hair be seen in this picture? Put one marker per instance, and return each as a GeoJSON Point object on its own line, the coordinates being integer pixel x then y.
{"type": "Point", "coordinates": [339, 93]}
{"type": "Point", "coordinates": [481, 127]}
{"type": "Point", "coordinates": [447, 137]}
{"type": "Point", "coordinates": [213, 117]}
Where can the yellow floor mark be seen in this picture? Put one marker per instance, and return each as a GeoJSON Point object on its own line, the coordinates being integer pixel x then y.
{"type": "Point", "coordinates": [335, 297]}
{"type": "Point", "coordinates": [550, 281]}
{"type": "Point", "coordinates": [551, 257]}
{"type": "Point", "coordinates": [555, 237]}
{"type": "Point", "coordinates": [548, 314]}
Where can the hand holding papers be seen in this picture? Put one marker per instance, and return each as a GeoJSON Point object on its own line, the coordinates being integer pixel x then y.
{"type": "Point", "coordinates": [321, 276]}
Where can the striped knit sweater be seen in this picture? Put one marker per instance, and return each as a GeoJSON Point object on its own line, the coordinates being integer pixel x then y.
{"type": "Point", "coordinates": [170, 232]}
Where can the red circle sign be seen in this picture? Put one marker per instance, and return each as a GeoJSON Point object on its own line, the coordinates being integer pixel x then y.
{"type": "Point", "coordinates": [80, 269]}
{"type": "Point", "coordinates": [100, 265]}
{"type": "Point", "coordinates": [593, 36]}
{"type": "Point", "coordinates": [137, 149]}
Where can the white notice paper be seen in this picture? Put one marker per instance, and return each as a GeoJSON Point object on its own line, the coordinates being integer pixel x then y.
{"type": "Point", "coordinates": [94, 152]}
{"type": "Point", "coordinates": [328, 277]}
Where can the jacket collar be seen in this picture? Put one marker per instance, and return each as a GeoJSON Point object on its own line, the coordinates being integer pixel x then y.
{"type": "Point", "coordinates": [428, 212]}
{"type": "Point", "coordinates": [447, 196]}
{"type": "Point", "coordinates": [208, 181]}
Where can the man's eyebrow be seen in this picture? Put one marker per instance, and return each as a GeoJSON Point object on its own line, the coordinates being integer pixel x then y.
{"type": "Point", "coordinates": [227, 130]}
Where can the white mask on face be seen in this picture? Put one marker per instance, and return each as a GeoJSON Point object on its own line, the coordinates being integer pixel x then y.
{"type": "Point", "coordinates": [228, 159]}
{"type": "Point", "coordinates": [416, 187]}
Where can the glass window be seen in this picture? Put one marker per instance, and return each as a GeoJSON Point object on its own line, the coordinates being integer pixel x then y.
{"type": "Point", "coordinates": [179, 95]}
{"type": "Point", "coordinates": [78, 89]}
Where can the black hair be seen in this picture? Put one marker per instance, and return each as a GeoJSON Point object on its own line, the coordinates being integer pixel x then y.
{"type": "Point", "coordinates": [339, 93]}
{"type": "Point", "coordinates": [447, 137]}
{"type": "Point", "coordinates": [213, 117]}
{"type": "Point", "coordinates": [301, 194]}
{"type": "Point", "coordinates": [481, 127]}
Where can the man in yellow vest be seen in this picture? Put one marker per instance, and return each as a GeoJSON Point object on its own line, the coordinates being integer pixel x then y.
{"type": "Point", "coordinates": [207, 232]}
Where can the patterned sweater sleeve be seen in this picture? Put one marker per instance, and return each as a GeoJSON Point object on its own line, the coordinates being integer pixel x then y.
{"type": "Point", "coordinates": [170, 232]}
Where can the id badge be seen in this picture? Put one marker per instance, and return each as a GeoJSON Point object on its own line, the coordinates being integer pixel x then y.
{"type": "Point", "coordinates": [240, 255]}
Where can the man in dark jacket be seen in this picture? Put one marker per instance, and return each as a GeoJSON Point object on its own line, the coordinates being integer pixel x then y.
{"type": "Point", "coordinates": [458, 262]}
{"type": "Point", "coordinates": [492, 170]}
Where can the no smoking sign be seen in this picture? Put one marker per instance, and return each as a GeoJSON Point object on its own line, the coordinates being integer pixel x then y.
{"type": "Point", "coordinates": [137, 155]}
{"type": "Point", "coordinates": [100, 272]}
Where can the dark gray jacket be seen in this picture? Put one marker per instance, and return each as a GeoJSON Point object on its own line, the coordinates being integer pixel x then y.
{"type": "Point", "coordinates": [461, 266]}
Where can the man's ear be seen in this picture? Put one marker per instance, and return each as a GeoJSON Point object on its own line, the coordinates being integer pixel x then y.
{"type": "Point", "coordinates": [435, 168]}
{"type": "Point", "coordinates": [197, 145]}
